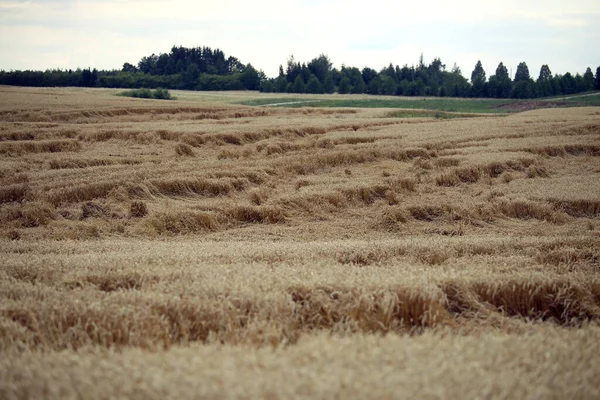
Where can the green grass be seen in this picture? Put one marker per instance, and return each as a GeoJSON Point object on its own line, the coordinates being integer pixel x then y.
{"type": "Point", "coordinates": [452, 105]}
{"type": "Point", "coordinates": [439, 104]}
{"type": "Point", "coordinates": [585, 100]}
{"type": "Point", "coordinates": [408, 113]}
{"type": "Point", "coordinates": [158, 94]}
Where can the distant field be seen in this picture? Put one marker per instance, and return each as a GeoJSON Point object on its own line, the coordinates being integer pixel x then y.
{"type": "Point", "coordinates": [451, 104]}
{"type": "Point", "coordinates": [441, 104]}
{"type": "Point", "coordinates": [201, 247]}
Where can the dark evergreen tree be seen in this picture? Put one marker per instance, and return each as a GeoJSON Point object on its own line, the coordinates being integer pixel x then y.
{"type": "Point", "coordinates": [337, 76]}
{"type": "Point", "coordinates": [368, 74]}
{"type": "Point", "coordinates": [320, 67]}
{"type": "Point", "coordinates": [328, 85]}
{"type": "Point", "coordinates": [588, 79]}
{"type": "Point", "coordinates": [298, 86]}
{"type": "Point", "coordinates": [544, 81]}
{"type": "Point", "coordinates": [374, 86]}
{"type": "Point", "coordinates": [556, 85]}
{"type": "Point", "coordinates": [500, 85]}
{"type": "Point", "coordinates": [293, 69]}
{"type": "Point", "coordinates": [502, 72]}
{"type": "Point", "coordinates": [390, 72]}
{"type": "Point", "coordinates": [388, 85]}
{"type": "Point", "coordinates": [433, 89]}
{"type": "Point", "coordinates": [344, 86]}
{"type": "Point", "coordinates": [356, 80]}
{"type": "Point", "coordinates": [455, 84]}
{"type": "Point", "coordinates": [580, 85]}
{"type": "Point", "coordinates": [478, 80]}
{"type": "Point", "coordinates": [522, 73]}
{"type": "Point", "coordinates": [251, 78]}
{"type": "Point", "coordinates": [597, 80]}
{"type": "Point", "coordinates": [129, 68]}
{"type": "Point", "coordinates": [419, 87]}
{"type": "Point", "coordinates": [407, 73]}
{"type": "Point", "coordinates": [147, 65]}
{"type": "Point", "coordinates": [313, 85]}
{"type": "Point", "coordinates": [305, 72]}
{"type": "Point", "coordinates": [568, 84]}
{"type": "Point", "coordinates": [403, 88]}
{"type": "Point", "coordinates": [281, 84]}
{"type": "Point", "coordinates": [267, 86]}
{"type": "Point", "coordinates": [434, 70]}
{"type": "Point", "coordinates": [545, 74]}
{"type": "Point", "coordinates": [190, 77]}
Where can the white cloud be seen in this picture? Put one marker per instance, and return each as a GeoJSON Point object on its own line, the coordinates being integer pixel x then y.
{"type": "Point", "coordinates": [105, 34]}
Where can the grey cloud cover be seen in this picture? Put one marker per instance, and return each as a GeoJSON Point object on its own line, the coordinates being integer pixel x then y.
{"type": "Point", "coordinates": [105, 34]}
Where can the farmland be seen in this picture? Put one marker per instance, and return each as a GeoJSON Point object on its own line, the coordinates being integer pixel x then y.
{"type": "Point", "coordinates": [211, 246]}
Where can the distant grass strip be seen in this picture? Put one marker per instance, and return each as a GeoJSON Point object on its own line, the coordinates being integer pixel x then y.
{"type": "Point", "coordinates": [585, 100]}
{"type": "Point", "coordinates": [434, 114]}
{"type": "Point", "coordinates": [157, 94]}
{"type": "Point", "coordinates": [454, 105]}
{"type": "Point", "coordinates": [439, 104]}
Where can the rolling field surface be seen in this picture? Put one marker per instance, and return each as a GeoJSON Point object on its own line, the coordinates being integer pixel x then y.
{"type": "Point", "coordinates": [205, 248]}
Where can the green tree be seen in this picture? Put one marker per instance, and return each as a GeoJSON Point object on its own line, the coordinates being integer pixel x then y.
{"type": "Point", "coordinates": [556, 85]}
{"type": "Point", "coordinates": [313, 85]}
{"type": "Point", "coordinates": [148, 64]}
{"type": "Point", "coordinates": [419, 87]}
{"type": "Point", "coordinates": [389, 71]}
{"type": "Point", "coordinates": [281, 84]}
{"type": "Point", "coordinates": [588, 78]}
{"type": "Point", "coordinates": [267, 86]}
{"type": "Point", "coordinates": [293, 69]}
{"type": "Point", "coordinates": [433, 89]}
{"type": "Point", "coordinates": [522, 73]}
{"type": "Point", "coordinates": [368, 74]}
{"type": "Point", "coordinates": [129, 68]}
{"type": "Point", "coordinates": [580, 85]}
{"type": "Point", "coordinates": [493, 86]}
{"type": "Point", "coordinates": [455, 84]}
{"type": "Point", "coordinates": [568, 84]}
{"type": "Point", "coordinates": [478, 81]}
{"type": "Point", "coordinates": [356, 80]}
{"type": "Point", "coordinates": [388, 85]}
{"type": "Point", "coordinates": [190, 77]}
{"type": "Point", "coordinates": [320, 67]}
{"type": "Point", "coordinates": [305, 72]}
{"type": "Point", "coordinates": [524, 89]}
{"type": "Point", "coordinates": [403, 88]}
{"type": "Point", "coordinates": [328, 85]}
{"type": "Point", "coordinates": [359, 86]}
{"type": "Point", "coordinates": [344, 87]}
{"type": "Point", "coordinates": [544, 81]}
{"type": "Point", "coordinates": [251, 78]}
{"type": "Point", "coordinates": [502, 72]}
{"type": "Point", "coordinates": [298, 86]}
{"type": "Point", "coordinates": [374, 87]}
{"type": "Point", "coordinates": [597, 80]}
{"type": "Point", "coordinates": [502, 85]}
{"type": "Point", "coordinates": [545, 74]}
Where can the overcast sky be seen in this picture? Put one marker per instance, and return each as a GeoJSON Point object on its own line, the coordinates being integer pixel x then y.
{"type": "Point", "coordinates": [42, 34]}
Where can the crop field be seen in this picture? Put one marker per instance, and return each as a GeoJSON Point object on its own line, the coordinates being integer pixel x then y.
{"type": "Point", "coordinates": [206, 248]}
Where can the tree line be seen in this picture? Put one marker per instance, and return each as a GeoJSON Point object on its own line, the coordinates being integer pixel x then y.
{"type": "Point", "coordinates": [433, 79]}
{"type": "Point", "coordinates": [200, 68]}
{"type": "Point", "coordinates": [203, 68]}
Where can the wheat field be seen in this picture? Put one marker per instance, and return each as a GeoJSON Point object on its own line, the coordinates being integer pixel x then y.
{"type": "Point", "coordinates": [198, 248]}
